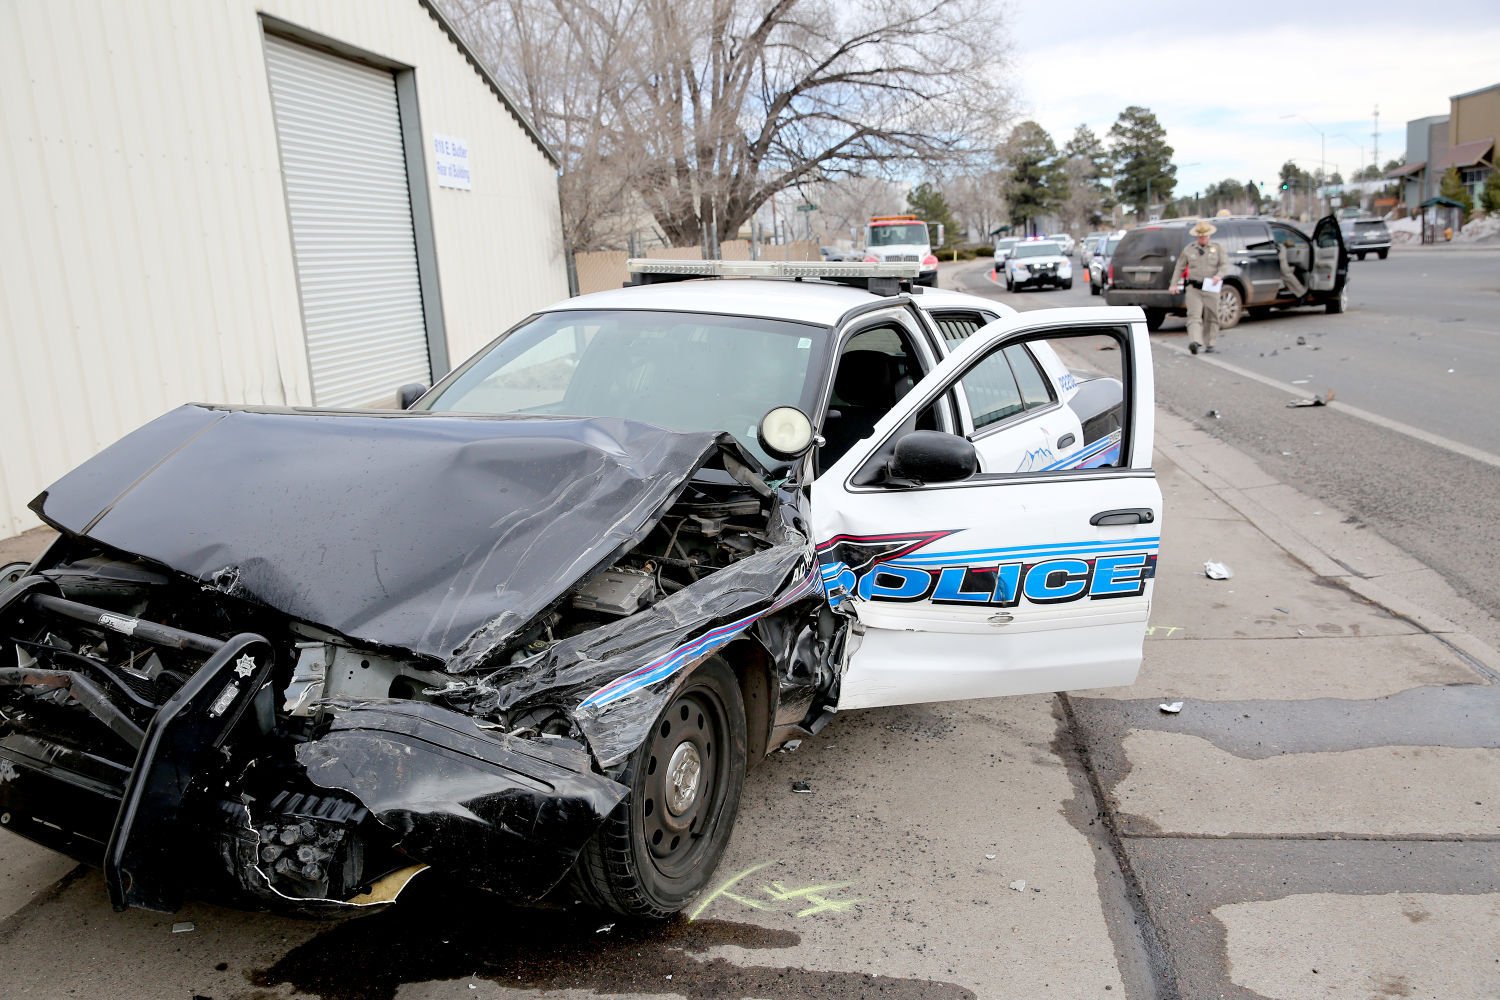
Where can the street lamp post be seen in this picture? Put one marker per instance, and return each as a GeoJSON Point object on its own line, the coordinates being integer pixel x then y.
{"type": "Point", "coordinates": [1322, 149]}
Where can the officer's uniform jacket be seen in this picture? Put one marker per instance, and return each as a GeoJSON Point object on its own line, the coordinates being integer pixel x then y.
{"type": "Point", "coordinates": [1201, 262]}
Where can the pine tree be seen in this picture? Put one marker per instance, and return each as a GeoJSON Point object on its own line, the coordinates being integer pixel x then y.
{"type": "Point", "coordinates": [928, 204]}
{"type": "Point", "coordinates": [1033, 185]}
{"type": "Point", "coordinates": [1453, 187]}
{"type": "Point", "coordinates": [1143, 159]}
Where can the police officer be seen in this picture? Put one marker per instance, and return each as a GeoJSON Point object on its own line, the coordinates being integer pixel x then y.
{"type": "Point", "coordinates": [1198, 261]}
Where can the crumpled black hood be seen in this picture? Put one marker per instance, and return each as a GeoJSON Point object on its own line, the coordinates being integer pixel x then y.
{"type": "Point", "coordinates": [410, 530]}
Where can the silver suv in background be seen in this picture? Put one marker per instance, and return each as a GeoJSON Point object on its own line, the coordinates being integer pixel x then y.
{"type": "Point", "coordinates": [1362, 236]}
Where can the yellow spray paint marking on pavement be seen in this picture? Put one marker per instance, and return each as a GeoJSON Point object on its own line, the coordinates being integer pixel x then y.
{"type": "Point", "coordinates": [1166, 630]}
{"type": "Point", "coordinates": [779, 893]}
{"type": "Point", "coordinates": [723, 890]}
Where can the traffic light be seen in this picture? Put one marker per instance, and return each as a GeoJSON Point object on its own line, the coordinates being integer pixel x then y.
{"type": "Point", "coordinates": [1286, 186]}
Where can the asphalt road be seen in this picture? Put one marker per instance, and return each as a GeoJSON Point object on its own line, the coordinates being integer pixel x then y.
{"type": "Point", "coordinates": [1419, 348]}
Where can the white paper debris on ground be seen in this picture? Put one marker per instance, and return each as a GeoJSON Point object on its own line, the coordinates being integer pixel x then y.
{"type": "Point", "coordinates": [802, 787]}
{"type": "Point", "coordinates": [1322, 400]}
{"type": "Point", "coordinates": [183, 927]}
{"type": "Point", "coordinates": [1170, 707]}
{"type": "Point", "coordinates": [989, 857]}
{"type": "Point", "coordinates": [1019, 885]}
{"type": "Point", "coordinates": [1217, 571]}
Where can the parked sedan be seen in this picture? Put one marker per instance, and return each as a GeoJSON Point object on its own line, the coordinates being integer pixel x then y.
{"type": "Point", "coordinates": [1099, 260]}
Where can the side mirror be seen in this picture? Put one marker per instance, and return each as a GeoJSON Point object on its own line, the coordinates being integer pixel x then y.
{"type": "Point", "coordinates": [785, 433]}
{"type": "Point", "coordinates": [409, 394]}
{"type": "Point", "coordinates": [923, 457]}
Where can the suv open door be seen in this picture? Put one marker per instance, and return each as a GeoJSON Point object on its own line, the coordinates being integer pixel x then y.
{"type": "Point", "coordinates": [996, 583]}
{"type": "Point", "coordinates": [1330, 270]}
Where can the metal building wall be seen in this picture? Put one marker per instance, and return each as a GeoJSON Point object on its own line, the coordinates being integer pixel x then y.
{"type": "Point", "coordinates": [146, 256]}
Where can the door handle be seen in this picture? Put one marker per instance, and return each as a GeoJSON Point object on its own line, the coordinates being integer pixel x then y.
{"type": "Point", "coordinates": [1066, 440]}
{"type": "Point", "coordinates": [1130, 515]}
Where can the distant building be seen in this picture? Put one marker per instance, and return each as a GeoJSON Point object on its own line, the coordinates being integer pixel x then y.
{"type": "Point", "coordinates": [1463, 139]}
{"type": "Point", "coordinates": [1473, 124]}
{"type": "Point", "coordinates": [274, 202]}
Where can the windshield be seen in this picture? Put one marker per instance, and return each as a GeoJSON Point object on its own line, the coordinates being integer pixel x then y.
{"type": "Point", "coordinates": [898, 235]}
{"type": "Point", "coordinates": [1037, 250]}
{"type": "Point", "coordinates": [682, 371]}
{"type": "Point", "coordinates": [1006, 243]}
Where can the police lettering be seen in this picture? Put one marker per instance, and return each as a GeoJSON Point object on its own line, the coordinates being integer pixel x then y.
{"type": "Point", "coordinates": [1053, 581]}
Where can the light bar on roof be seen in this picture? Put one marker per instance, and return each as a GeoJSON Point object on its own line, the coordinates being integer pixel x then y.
{"type": "Point", "coordinates": [772, 268]}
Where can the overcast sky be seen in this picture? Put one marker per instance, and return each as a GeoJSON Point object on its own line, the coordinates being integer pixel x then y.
{"type": "Point", "coordinates": [1220, 82]}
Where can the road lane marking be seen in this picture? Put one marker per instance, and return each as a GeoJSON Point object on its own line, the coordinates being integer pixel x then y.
{"type": "Point", "coordinates": [1426, 437]}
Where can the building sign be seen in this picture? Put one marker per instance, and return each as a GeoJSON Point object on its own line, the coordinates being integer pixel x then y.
{"type": "Point", "coordinates": [451, 158]}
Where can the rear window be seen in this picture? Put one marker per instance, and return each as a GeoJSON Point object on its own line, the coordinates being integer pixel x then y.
{"type": "Point", "coordinates": [1143, 244]}
{"type": "Point", "coordinates": [1370, 227]}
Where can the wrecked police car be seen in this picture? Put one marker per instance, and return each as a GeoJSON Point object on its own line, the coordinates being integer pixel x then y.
{"type": "Point", "coordinates": [532, 630]}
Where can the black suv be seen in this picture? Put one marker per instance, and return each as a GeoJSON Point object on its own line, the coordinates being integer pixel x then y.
{"type": "Point", "coordinates": [1364, 236]}
{"type": "Point", "coordinates": [1143, 263]}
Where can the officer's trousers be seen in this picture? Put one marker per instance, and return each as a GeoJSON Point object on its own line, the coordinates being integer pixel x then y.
{"type": "Point", "coordinates": [1202, 316]}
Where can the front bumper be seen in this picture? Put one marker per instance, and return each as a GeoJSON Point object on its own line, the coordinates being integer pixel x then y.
{"type": "Point", "coordinates": [1036, 279]}
{"type": "Point", "coordinates": [204, 792]}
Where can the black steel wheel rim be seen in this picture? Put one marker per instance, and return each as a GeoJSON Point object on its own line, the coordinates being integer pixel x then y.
{"type": "Point", "coordinates": [683, 784]}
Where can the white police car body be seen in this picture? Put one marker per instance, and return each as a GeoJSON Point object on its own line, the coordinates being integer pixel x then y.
{"type": "Point", "coordinates": [537, 627]}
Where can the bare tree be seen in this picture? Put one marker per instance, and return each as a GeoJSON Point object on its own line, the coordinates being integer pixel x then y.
{"type": "Point", "coordinates": [846, 204]}
{"type": "Point", "coordinates": [978, 200]}
{"type": "Point", "coordinates": [705, 108]}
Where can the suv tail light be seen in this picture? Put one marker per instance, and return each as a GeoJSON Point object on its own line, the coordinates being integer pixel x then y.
{"type": "Point", "coordinates": [1111, 272]}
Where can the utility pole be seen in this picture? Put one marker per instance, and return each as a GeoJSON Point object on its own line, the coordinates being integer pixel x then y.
{"type": "Point", "coordinates": [1375, 154]}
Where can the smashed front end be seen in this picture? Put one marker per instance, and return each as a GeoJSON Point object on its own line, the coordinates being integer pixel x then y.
{"type": "Point", "coordinates": [288, 659]}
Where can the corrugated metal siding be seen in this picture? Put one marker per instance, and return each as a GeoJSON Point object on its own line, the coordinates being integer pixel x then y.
{"type": "Point", "coordinates": [147, 257]}
{"type": "Point", "coordinates": [344, 167]}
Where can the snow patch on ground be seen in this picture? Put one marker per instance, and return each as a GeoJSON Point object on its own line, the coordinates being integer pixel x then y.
{"type": "Point", "coordinates": [1485, 230]}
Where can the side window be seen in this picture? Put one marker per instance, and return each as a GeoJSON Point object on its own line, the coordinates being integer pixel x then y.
{"type": "Point", "coordinates": [992, 392]}
{"type": "Point", "coordinates": [1035, 390]}
{"type": "Point", "coordinates": [955, 327]}
{"type": "Point", "coordinates": [1230, 236]}
{"type": "Point", "coordinates": [876, 367]}
{"type": "Point", "coordinates": [1252, 233]}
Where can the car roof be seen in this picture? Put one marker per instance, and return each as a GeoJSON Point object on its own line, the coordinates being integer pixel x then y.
{"type": "Point", "coordinates": [821, 302]}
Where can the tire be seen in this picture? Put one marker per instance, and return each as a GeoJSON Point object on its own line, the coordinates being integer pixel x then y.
{"type": "Point", "coordinates": [651, 858]}
{"type": "Point", "coordinates": [1067, 285]}
{"type": "Point", "coordinates": [1093, 288]}
{"type": "Point", "coordinates": [1360, 256]}
{"type": "Point", "coordinates": [1009, 285]}
{"type": "Point", "coordinates": [1381, 253]}
{"type": "Point", "coordinates": [1340, 302]}
{"type": "Point", "coordinates": [1155, 318]}
{"type": "Point", "coordinates": [1231, 307]}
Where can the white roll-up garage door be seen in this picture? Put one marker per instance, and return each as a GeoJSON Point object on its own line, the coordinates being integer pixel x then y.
{"type": "Point", "coordinates": [344, 167]}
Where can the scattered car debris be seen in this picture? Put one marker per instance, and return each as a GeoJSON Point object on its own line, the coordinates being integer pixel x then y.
{"type": "Point", "coordinates": [1322, 400]}
{"type": "Point", "coordinates": [802, 787]}
{"type": "Point", "coordinates": [1170, 707]}
{"type": "Point", "coordinates": [183, 927]}
{"type": "Point", "coordinates": [1019, 885]}
{"type": "Point", "coordinates": [1217, 571]}
{"type": "Point", "coordinates": [605, 929]}
{"type": "Point", "coordinates": [1213, 414]}
{"type": "Point", "coordinates": [989, 857]}
{"type": "Point", "coordinates": [1301, 341]}
{"type": "Point", "coordinates": [1283, 611]}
